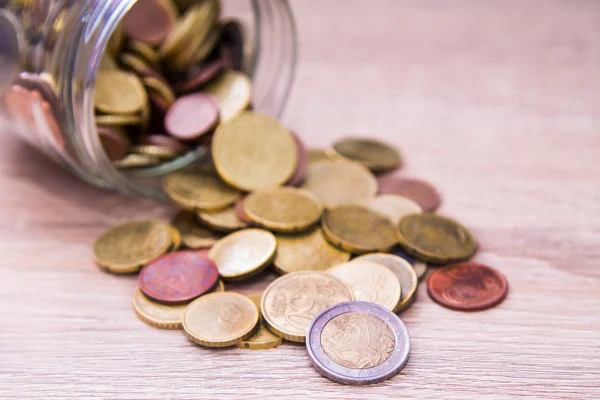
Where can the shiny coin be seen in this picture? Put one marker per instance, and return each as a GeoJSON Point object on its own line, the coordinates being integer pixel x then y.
{"type": "Point", "coordinates": [114, 144]}
{"type": "Point", "coordinates": [419, 266]}
{"type": "Point", "coordinates": [253, 152]}
{"type": "Point", "coordinates": [307, 252]}
{"type": "Point", "coordinates": [358, 343]}
{"type": "Point", "coordinates": [358, 229]}
{"type": "Point", "coordinates": [149, 21]}
{"type": "Point", "coordinates": [223, 220]}
{"type": "Point", "coordinates": [119, 120]}
{"type": "Point", "coordinates": [373, 154]}
{"type": "Point", "coordinates": [243, 253]}
{"type": "Point", "coordinates": [136, 161]}
{"type": "Point", "coordinates": [220, 319]}
{"type": "Point", "coordinates": [370, 282]}
{"type": "Point", "coordinates": [302, 166]}
{"type": "Point", "coordinates": [199, 187]}
{"type": "Point", "coordinates": [395, 207]}
{"type": "Point", "coordinates": [404, 272]}
{"type": "Point", "coordinates": [192, 116]}
{"type": "Point", "coordinates": [160, 152]}
{"type": "Point", "coordinates": [283, 209]}
{"type": "Point", "coordinates": [467, 286]}
{"type": "Point", "coordinates": [239, 211]}
{"type": "Point", "coordinates": [193, 234]}
{"type": "Point", "coordinates": [419, 191]}
{"type": "Point", "coordinates": [159, 87]}
{"type": "Point", "coordinates": [178, 277]}
{"type": "Point", "coordinates": [435, 239]}
{"type": "Point", "coordinates": [126, 247]}
{"type": "Point", "coordinates": [263, 339]}
{"type": "Point", "coordinates": [119, 92]}
{"type": "Point", "coordinates": [337, 182]}
{"type": "Point", "coordinates": [162, 316]}
{"type": "Point", "coordinates": [290, 303]}
{"type": "Point", "coordinates": [233, 91]}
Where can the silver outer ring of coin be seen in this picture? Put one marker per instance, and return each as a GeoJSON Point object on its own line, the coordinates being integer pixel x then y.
{"type": "Point", "coordinates": [351, 376]}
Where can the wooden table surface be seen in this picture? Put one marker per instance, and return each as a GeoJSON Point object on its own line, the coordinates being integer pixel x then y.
{"type": "Point", "coordinates": [497, 103]}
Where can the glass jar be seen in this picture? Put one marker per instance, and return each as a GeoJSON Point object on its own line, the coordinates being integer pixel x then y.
{"type": "Point", "coordinates": [51, 50]}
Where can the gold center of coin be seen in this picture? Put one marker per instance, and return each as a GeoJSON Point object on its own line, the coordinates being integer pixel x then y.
{"type": "Point", "coordinates": [119, 92]}
{"type": "Point", "coordinates": [358, 340]}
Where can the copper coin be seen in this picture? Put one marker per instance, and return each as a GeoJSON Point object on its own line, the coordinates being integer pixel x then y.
{"type": "Point", "coordinates": [418, 191]}
{"type": "Point", "coordinates": [164, 141]}
{"type": "Point", "coordinates": [303, 161]}
{"type": "Point", "coordinates": [241, 214]}
{"type": "Point", "coordinates": [115, 145]}
{"type": "Point", "coordinates": [199, 75]}
{"type": "Point", "coordinates": [192, 116]}
{"type": "Point", "coordinates": [467, 286]}
{"type": "Point", "coordinates": [149, 21]}
{"type": "Point", "coordinates": [178, 277]}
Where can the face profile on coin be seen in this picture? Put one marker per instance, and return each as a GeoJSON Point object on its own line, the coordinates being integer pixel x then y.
{"type": "Point", "coordinates": [358, 343]}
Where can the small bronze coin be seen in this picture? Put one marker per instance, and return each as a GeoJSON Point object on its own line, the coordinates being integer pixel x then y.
{"type": "Point", "coordinates": [303, 161]}
{"type": "Point", "coordinates": [178, 277]}
{"type": "Point", "coordinates": [192, 116]}
{"type": "Point", "coordinates": [199, 75]}
{"type": "Point", "coordinates": [233, 91]}
{"type": "Point", "coordinates": [199, 187]}
{"type": "Point", "coordinates": [358, 229]}
{"type": "Point", "coordinates": [262, 339]}
{"type": "Point", "coordinates": [395, 207]}
{"type": "Point", "coordinates": [467, 286]}
{"type": "Point", "coordinates": [119, 92]}
{"type": "Point", "coordinates": [162, 153]}
{"type": "Point", "coordinates": [244, 253]}
{"type": "Point", "coordinates": [239, 211]}
{"type": "Point", "coordinates": [373, 154]}
{"type": "Point", "coordinates": [435, 239]}
{"type": "Point", "coordinates": [419, 266]}
{"type": "Point", "coordinates": [307, 252]}
{"type": "Point", "coordinates": [283, 209]}
{"type": "Point", "coordinates": [114, 144]}
{"type": "Point", "coordinates": [418, 191]}
{"type": "Point", "coordinates": [149, 21]}
{"type": "Point", "coordinates": [358, 343]}
{"type": "Point", "coordinates": [220, 319]}
{"type": "Point", "coordinates": [162, 316]}
{"type": "Point", "coordinates": [223, 220]}
{"type": "Point", "coordinates": [340, 182]}
{"type": "Point", "coordinates": [290, 302]}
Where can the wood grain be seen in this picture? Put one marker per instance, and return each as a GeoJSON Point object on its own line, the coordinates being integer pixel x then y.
{"type": "Point", "coordinates": [497, 103]}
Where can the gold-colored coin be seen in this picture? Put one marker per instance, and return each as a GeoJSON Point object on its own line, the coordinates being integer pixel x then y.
{"type": "Point", "coordinates": [220, 286]}
{"type": "Point", "coordinates": [136, 161]}
{"type": "Point", "coordinates": [125, 248]}
{"type": "Point", "coordinates": [175, 239]}
{"type": "Point", "coordinates": [233, 91]}
{"type": "Point", "coordinates": [244, 253]}
{"type": "Point", "coordinates": [183, 29]}
{"type": "Point", "coordinates": [115, 43]}
{"type": "Point", "coordinates": [223, 220]}
{"type": "Point", "coordinates": [160, 152]}
{"type": "Point", "coordinates": [195, 50]}
{"type": "Point", "coordinates": [317, 155]}
{"type": "Point", "coordinates": [119, 92]}
{"type": "Point", "coordinates": [370, 282]}
{"type": "Point", "coordinates": [208, 45]}
{"type": "Point", "coordinates": [404, 272]}
{"type": "Point", "coordinates": [307, 252]}
{"type": "Point", "coordinates": [220, 319]}
{"type": "Point", "coordinates": [199, 187]}
{"type": "Point", "coordinates": [143, 50]}
{"type": "Point", "coordinates": [193, 235]}
{"type": "Point", "coordinates": [262, 339]}
{"type": "Point", "coordinates": [435, 239]}
{"type": "Point", "coordinates": [373, 154]}
{"type": "Point", "coordinates": [253, 152]}
{"type": "Point", "coordinates": [108, 63]}
{"type": "Point", "coordinates": [112, 120]}
{"type": "Point", "coordinates": [340, 182]}
{"type": "Point", "coordinates": [156, 314]}
{"type": "Point", "coordinates": [358, 229]}
{"type": "Point", "coordinates": [292, 301]}
{"type": "Point", "coordinates": [283, 209]}
{"type": "Point", "coordinates": [395, 207]}
{"type": "Point", "coordinates": [161, 88]}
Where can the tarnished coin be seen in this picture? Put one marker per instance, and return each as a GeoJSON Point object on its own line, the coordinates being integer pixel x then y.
{"type": "Point", "coordinates": [199, 187]}
{"type": "Point", "coordinates": [123, 249]}
{"type": "Point", "coordinates": [220, 319]}
{"type": "Point", "coordinates": [338, 182]}
{"type": "Point", "coordinates": [193, 235]}
{"type": "Point", "coordinates": [223, 220]}
{"type": "Point", "coordinates": [178, 277]}
{"type": "Point", "coordinates": [358, 229]}
{"type": "Point", "coordinates": [395, 207]}
{"type": "Point", "coordinates": [419, 191]}
{"type": "Point", "coordinates": [149, 21]}
{"type": "Point", "coordinates": [233, 91]}
{"type": "Point", "coordinates": [119, 92]}
{"type": "Point", "coordinates": [290, 303]}
{"type": "Point", "coordinates": [307, 252]}
{"type": "Point", "coordinates": [254, 151]}
{"type": "Point", "coordinates": [358, 343]}
{"type": "Point", "coordinates": [263, 338]}
{"type": "Point", "coordinates": [419, 266]}
{"type": "Point", "coordinates": [283, 209]}
{"type": "Point", "coordinates": [404, 272]}
{"type": "Point", "coordinates": [244, 253]}
{"type": "Point", "coordinates": [162, 316]}
{"type": "Point", "coordinates": [373, 154]}
{"type": "Point", "coordinates": [114, 144]}
{"type": "Point", "coordinates": [467, 286]}
{"type": "Point", "coordinates": [192, 116]}
{"type": "Point", "coordinates": [370, 282]}
{"type": "Point", "coordinates": [303, 161]}
{"type": "Point", "coordinates": [436, 239]}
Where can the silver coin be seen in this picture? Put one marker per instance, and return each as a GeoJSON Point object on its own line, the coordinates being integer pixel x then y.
{"type": "Point", "coordinates": [357, 343]}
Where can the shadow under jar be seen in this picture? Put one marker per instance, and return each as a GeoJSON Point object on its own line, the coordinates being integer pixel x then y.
{"type": "Point", "coordinates": [50, 54]}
